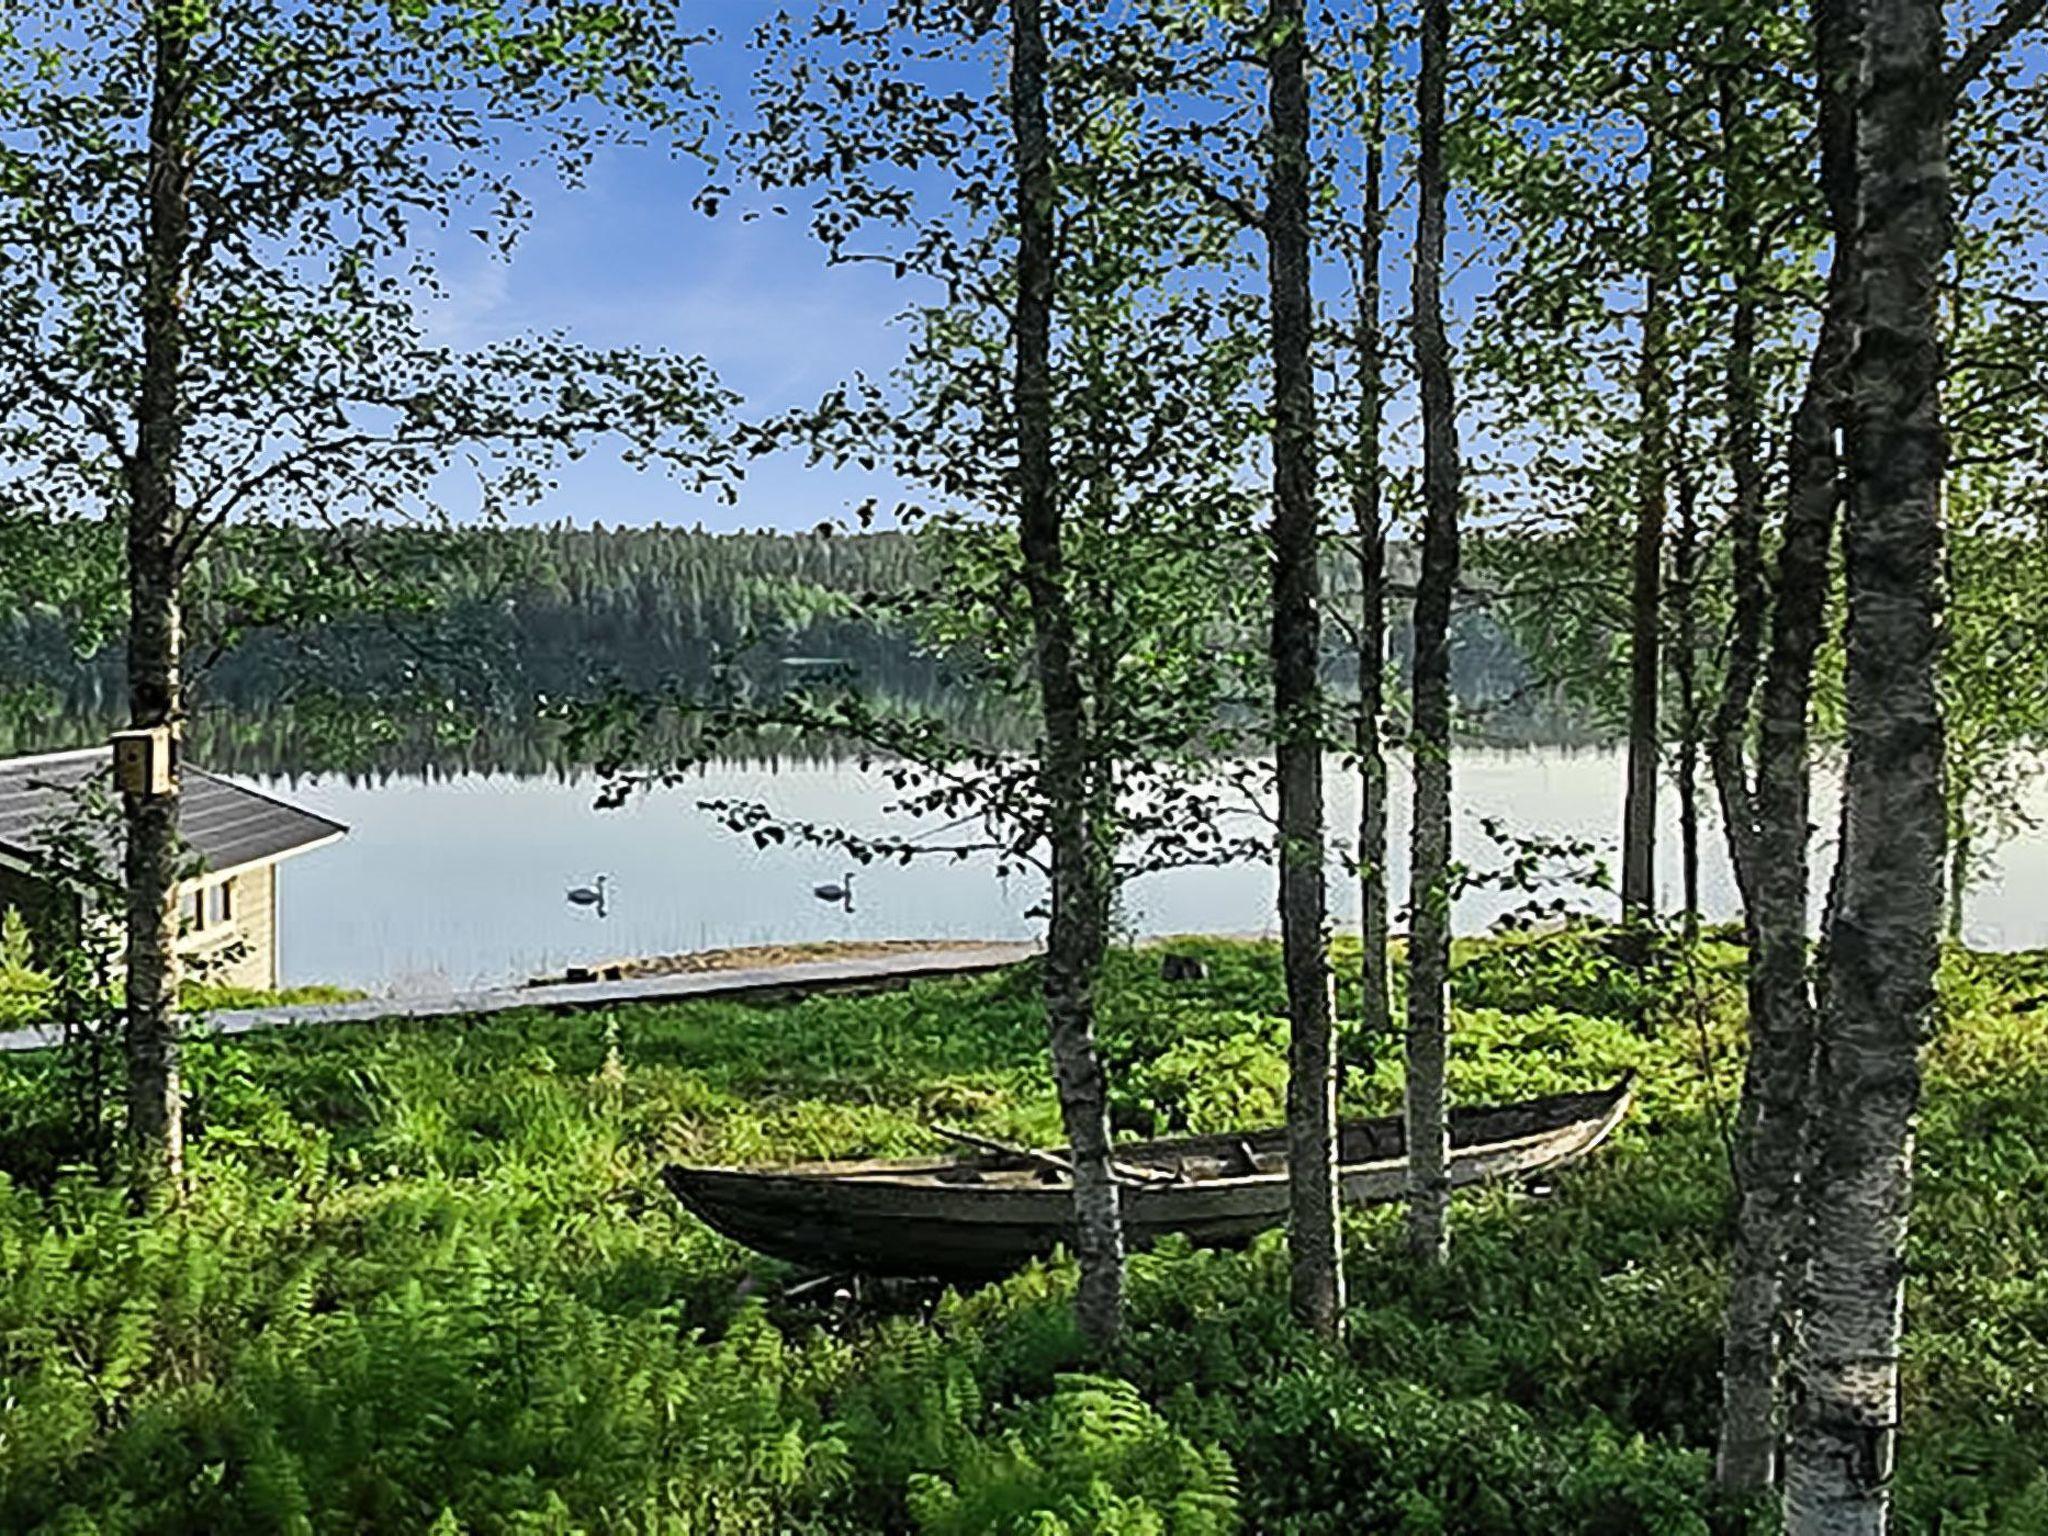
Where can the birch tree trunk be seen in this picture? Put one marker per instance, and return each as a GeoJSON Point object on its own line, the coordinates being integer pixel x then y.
{"type": "Point", "coordinates": [1685, 563]}
{"type": "Point", "coordinates": [155, 1129]}
{"type": "Point", "coordinates": [1727, 734]}
{"type": "Point", "coordinates": [1883, 939]}
{"type": "Point", "coordinates": [1369, 513]}
{"type": "Point", "coordinates": [1429, 895]}
{"type": "Point", "coordinates": [1646, 600]}
{"type": "Point", "coordinates": [1960, 854]}
{"type": "Point", "coordinates": [1318, 1278]}
{"type": "Point", "coordinates": [1778, 1080]}
{"type": "Point", "coordinates": [1076, 936]}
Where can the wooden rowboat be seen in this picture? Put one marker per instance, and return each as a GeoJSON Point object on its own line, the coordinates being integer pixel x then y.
{"type": "Point", "coordinates": [984, 1214]}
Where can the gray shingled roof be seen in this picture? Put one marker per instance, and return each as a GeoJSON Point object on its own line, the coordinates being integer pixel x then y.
{"type": "Point", "coordinates": [227, 825]}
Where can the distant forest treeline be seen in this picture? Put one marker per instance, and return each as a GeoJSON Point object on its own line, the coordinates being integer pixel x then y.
{"type": "Point", "coordinates": [489, 624]}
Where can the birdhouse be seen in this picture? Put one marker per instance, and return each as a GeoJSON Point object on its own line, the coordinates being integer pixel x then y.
{"type": "Point", "coordinates": [142, 761]}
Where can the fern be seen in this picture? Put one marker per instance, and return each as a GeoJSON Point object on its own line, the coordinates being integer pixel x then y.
{"type": "Point", "coordinates": [1095, 1457]}
{"type": "Point", "coordinates": [17, 952]}
{"type": "Point", "coordinates": [426, 1279]}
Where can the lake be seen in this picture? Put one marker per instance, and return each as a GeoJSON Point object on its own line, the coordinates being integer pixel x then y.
{"type": "Point", "coordinates": [460, 881]}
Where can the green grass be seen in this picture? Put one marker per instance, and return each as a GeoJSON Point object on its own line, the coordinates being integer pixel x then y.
{"type": "Point", "coordinates": [427, 1281]}
{"type": "Point", "coordinates": [212, 997]}
{"type": "Point", "coordinates": [26, 997]}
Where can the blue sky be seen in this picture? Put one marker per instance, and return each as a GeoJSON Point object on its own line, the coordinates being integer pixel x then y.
{"type": "Point", "coordinates": [624, 260]}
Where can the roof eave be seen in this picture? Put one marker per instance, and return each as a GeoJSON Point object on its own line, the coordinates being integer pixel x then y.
{"type": "Point", "coordinates": [27, 864]}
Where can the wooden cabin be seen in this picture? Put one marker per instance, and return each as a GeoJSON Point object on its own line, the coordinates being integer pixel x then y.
{"type": "Point", "coordinates": [235, 838]}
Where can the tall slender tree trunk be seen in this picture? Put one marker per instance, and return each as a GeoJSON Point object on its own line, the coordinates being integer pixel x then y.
{"type": "Point", "coordinates": [1077, 932]}
{"type": "Point", "coordinates": [1318, 1276]}
{"type": "Point", "coordinates": [1778, 1082]}
{"type": "Point", "coordinates": [1883, 939]}
{"type": "Point", "coordinates": [1646, 609]}
{"type": "Point", "coordinates": [1960, 852]}
{"type": "Point", "coordinates": [1429, 893]}
{"type": "Point", "coordinates": [1685, 575]}
{"type": "Point", "coordinates": [156, 1137]}
{"type": "Point", "coordinates": [1369, 513]}
{"type": "Point", "coordinates": [1728, 733]}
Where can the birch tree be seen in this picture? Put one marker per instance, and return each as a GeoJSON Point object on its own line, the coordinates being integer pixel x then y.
{"type": "Point", "coordinates": [1366, 468]}
{"type": "Point", "coordinates": [213, 275]}
{"type": "Point", "coordinates": [1769, 821]}
{"type": "Point", "coordinates": [1883, 932]}
{"type": "Point", "coordinates": [1995, 403]}
{"type": "Point", "coordinates": [1079, 530]}
{"type": "Point", "coordinates": [1429, 892]}
{"type": "Point", "coordinates": [1600, 182]}
{"type": "Point", "coordinates": [1652, 485]}
{"type": "Point", "coordinates": [1789, 1164]}
{"type": "Point", "coordinates": [1081, 888]}
{"type": "Point", "coordinates": [1318, 1276]}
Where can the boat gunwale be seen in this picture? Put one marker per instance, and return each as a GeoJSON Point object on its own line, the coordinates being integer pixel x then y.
{"type": "Point", "coordinates": [912, 1177]}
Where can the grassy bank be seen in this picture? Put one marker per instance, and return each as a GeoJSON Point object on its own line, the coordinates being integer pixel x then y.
{"type": "Point", "coordinates": [26, 999]}
{"type": "Point", "coordinates": [427, 1281]}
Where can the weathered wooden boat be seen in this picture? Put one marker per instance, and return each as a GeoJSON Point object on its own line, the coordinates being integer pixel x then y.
{"type": "Point", "coordinates": [985, 1214]}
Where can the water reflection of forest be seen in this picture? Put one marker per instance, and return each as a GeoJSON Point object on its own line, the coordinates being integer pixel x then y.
{"type": "Point", "coordinates": [523, 615]}
{"type": "Point", "coordinates": [274, 742]}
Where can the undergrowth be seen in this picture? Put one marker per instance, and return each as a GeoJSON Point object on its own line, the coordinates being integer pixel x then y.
{"type": "Point", "coordinates": [427, 1280]}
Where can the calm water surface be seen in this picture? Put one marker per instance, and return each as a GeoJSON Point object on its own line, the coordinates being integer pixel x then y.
{"type": "Point", "coordinates": [459, 882]}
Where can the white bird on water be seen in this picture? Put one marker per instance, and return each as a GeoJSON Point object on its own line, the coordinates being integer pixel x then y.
{"type": "Point", "coordinates": [590, 895]}
{"type": "Point", "coordinates": [842, 892]}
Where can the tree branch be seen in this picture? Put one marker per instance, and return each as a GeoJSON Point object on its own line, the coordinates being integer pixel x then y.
{"type": "Point", "coordinates": [1988, 44]}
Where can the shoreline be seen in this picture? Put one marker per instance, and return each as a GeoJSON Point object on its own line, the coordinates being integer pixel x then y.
{"type": "Point", "coordinates": [742, 957]}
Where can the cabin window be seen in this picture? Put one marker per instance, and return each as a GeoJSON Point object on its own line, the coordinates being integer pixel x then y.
{"type": "Point", "coordinates": [204, 907]}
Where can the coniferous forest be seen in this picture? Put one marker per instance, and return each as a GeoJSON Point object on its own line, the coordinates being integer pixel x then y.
{"type": "Point", "coordinates": [505, 621]}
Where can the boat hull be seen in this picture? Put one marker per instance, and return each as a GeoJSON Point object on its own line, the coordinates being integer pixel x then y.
{"type": "Point", "coordinates": [979, 1217]}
